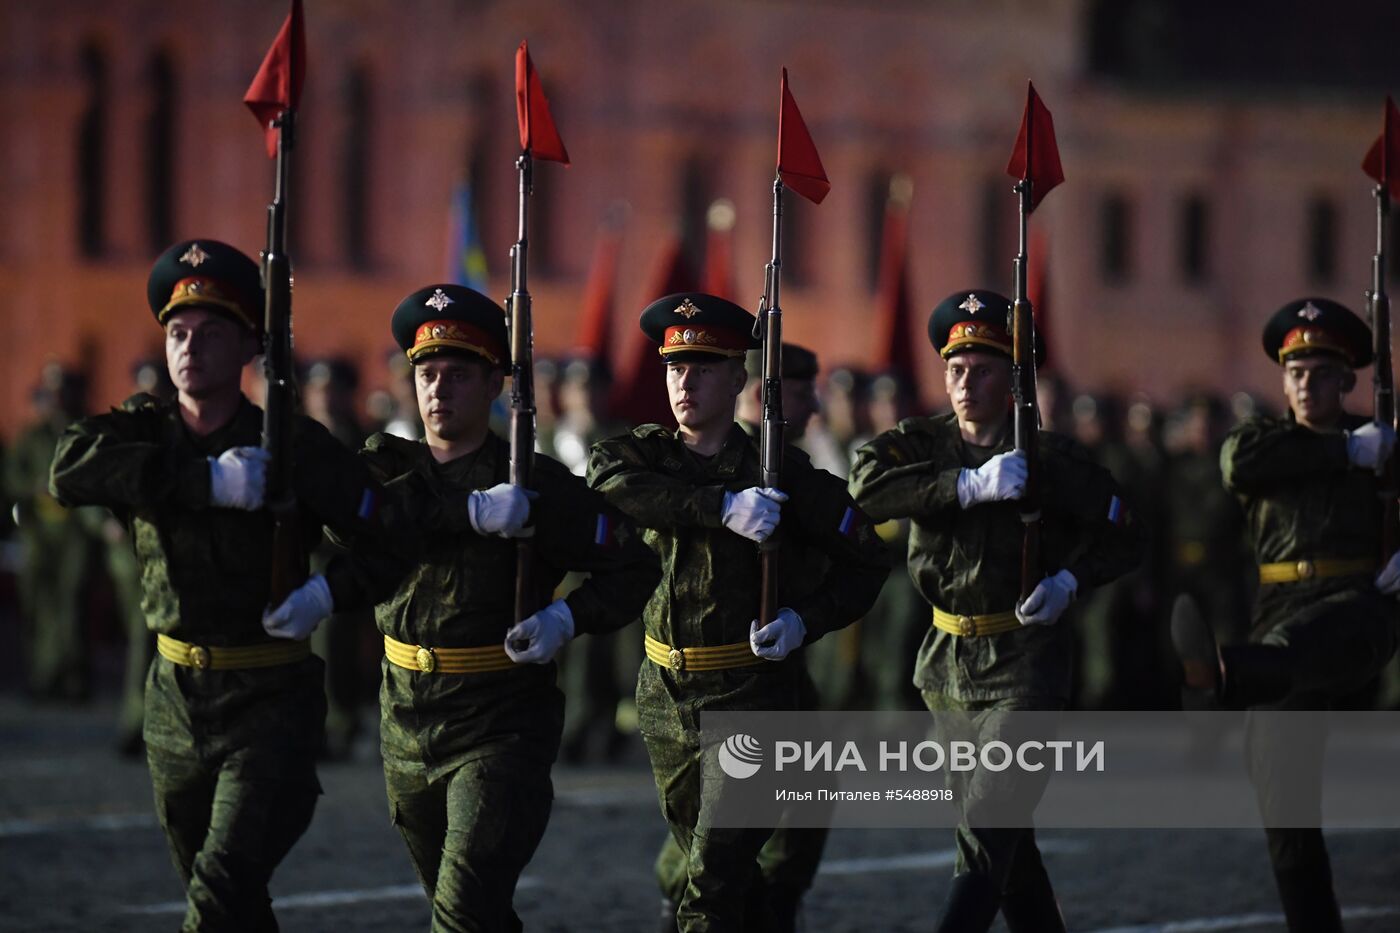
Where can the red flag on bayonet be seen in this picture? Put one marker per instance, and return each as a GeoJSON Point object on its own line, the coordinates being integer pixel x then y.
{"type": "Point", "coordinates": [1382, 160]}
{"type": "Point", "coordinates": [799, 166]}
{"type": "Point", "coordinates": [1036, 156]}
{"type": "Point", "coordinates": [538, 135]}
{"type": "Point", "coordinates": [277, 85]}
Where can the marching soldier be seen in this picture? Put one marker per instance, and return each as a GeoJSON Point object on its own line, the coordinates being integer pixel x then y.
{"type": "Point", "coordinates": [695, 492]}
{"type": "Point", "coordinates": [789, 860]}
{"type": "Point", "coordinates": [471, 716]}
{"type": "Point", "coordinates": [1324, 620]}
{"type": "Point", "coordinates": [956, 476]}
{"type": "Point", "coordinates": [232, 718]}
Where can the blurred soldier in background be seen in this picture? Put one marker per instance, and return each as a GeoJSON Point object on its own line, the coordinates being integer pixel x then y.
{"type": "Point", "coordinates": [56, 547]}
{"type": "Point", "coordinates": [328, 395]}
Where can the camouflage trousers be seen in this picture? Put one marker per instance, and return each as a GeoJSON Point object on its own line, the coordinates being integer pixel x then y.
{"type": "Point", "coordinates": [234, 791]}
{"type": "Point", "coordinates": [470, 835]}
{"type": "Point", "coordinates": [1007, 857]}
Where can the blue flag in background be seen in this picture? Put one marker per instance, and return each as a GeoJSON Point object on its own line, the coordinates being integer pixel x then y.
{"type": "Point", "coordinates": [466, 260]}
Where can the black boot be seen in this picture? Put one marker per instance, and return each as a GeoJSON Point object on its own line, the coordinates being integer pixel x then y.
{"type": "Point", "coordinates": [1032, 907]}
{"type": "Point", "coordinates": [1255, 675]}
{"type": "Point", "coordinates": [1200, 661]}
{"type": "Point", "coordinates": [971, 905]}
{"type": "Point", "coordinates": [1308, 902]}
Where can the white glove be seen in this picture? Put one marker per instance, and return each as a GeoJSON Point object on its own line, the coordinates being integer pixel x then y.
{"type": "Point", "coordinates": [786, 633]}
{"type": "Point", "coordinates": [238, 477]}
{"type": "Point", "coordinates": [1000, 478]}
{"type": "Point", "coordinates": [1369, 445]}
{"type": "Point", "coordinates": [754, 512]}
{"type": "Point", "coordinates": [537, 639]}
{"type": "Point", "coordinates": [301, 611]}
{"type": "Point", "coordinates": [1048, 601]}
{"type": "Point", "coordinates": [1388, 580]}
{"type": "Point", "coordinates": [501, 510]}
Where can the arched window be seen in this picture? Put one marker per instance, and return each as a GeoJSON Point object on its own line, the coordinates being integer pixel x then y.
{"type": "Point", "coordinates": [160, 163]}
{"type": "Point", "coordinates": [877, 195]}
{"type": "Point", "coordinates": [357, 167]}
{"type": "Point", "coordinates": [695, 197]}
{"type": "Point", "coordinates": [91, 143]}
{"type": "Point", "coordinates": [1193, 249]}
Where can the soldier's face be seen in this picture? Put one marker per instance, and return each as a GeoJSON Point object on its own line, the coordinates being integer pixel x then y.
{"type": "Point", "coordinates": [1315, 387]}
{"type": "Point", "coordinates": [455, 395]}
{"type": "Point", "coordinates": [206, 352]}
{"type": "Point", "coordinates": [979, 386]}
{"type": "Point", "coordinates": [703, 393]}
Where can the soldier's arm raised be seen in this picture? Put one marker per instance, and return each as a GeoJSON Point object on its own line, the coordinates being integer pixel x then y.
{"type": "Point", "coordinates": [892, 477]}
{"type": "Point", "coordinates": [620, 470]}
{"type": "Point", "coordinates": [118, 460]}
{"type": "Point", "coordinates": [1264, 451]}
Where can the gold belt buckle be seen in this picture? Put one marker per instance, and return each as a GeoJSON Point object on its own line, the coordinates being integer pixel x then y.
{"type": "Point", "coordinates": [427, 661]}
{"type": "Point", "coordinates": [967, 626]}
{"type": "Point", "coordinates": [676, 659]}
{"type": "Point", "coordinates": [1306, 570]}
{"type": "Point", "coordinates": [199, 657]}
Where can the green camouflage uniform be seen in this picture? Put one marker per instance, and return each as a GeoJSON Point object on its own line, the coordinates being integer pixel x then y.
{"type": "Point", "coordinates": [968, 561]}
{"type": "Point", "coordinates": [1311, 640]}
{"type": "Point", "coordinates": [231, 752]}
{"type": "Point", "coordinates": [467, 756]}
{"type": "Point", "coordinates": [57, 546]}
{"type": "Point", "coordinates": [709, 597]}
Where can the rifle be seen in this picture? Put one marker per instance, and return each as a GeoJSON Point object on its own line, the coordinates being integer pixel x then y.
{"type": "Point", "coordinates": [769, 330]}
{"type": "Point", "coordinates": [289, 558]}
{"type": "Point", "coordinates": [1025, 408]}
{"type": "Point", "coordinates": [522, 386]}
{"type": "Point", "coordinates": [1383, 377]}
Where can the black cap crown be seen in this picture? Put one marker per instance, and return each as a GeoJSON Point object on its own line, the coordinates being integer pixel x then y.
{"type": "Point", "coordinates": [693, 325]}
{"type": "Point", "coordinates": [451, 319]}
{"type": "Point", "coordinates": [1317, 325]}
{"type": "Point", "coordinates": [206, 274]}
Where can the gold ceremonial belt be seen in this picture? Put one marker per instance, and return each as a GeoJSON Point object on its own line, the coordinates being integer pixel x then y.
{"type": "Point", "coordinates": [716, 658]}
{"type": "Point", "coordinates": [447, 660]}
{"type": "Point", "coordinates": [967, 626]}
{"type": "Point", "coordinates": [1292, 571]}
{"type": "Point", "coordinates": [231, 659]}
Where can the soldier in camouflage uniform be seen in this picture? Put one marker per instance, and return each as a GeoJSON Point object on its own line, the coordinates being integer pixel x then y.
{"type": "Point", "coordinates": [471, 716]}
{"type": "Point", "coordinates": [956, 476]}
{"type": "Point", "coordinates": [57, 546]}
{"type": "Point", "coordinates": [232, 717]}
{"type": "Point", "coordinates": [1324, 620]}
{"type": "Point", "coordinates": [789, 860]}
{"type": "Point", "coordinates": [694, 491]}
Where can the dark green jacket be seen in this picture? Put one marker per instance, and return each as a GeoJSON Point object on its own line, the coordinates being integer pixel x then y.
{"type": "Point", "coordinates": [206, 570]}
{"type": "Point", "coordinates": [460, 592]}
{"type": "Point", "coordinates": [968, 561]}
{"type": "Point", "coordinates": [710, 576]}
{"type": "Point", "coordinates": [1302, 499]}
